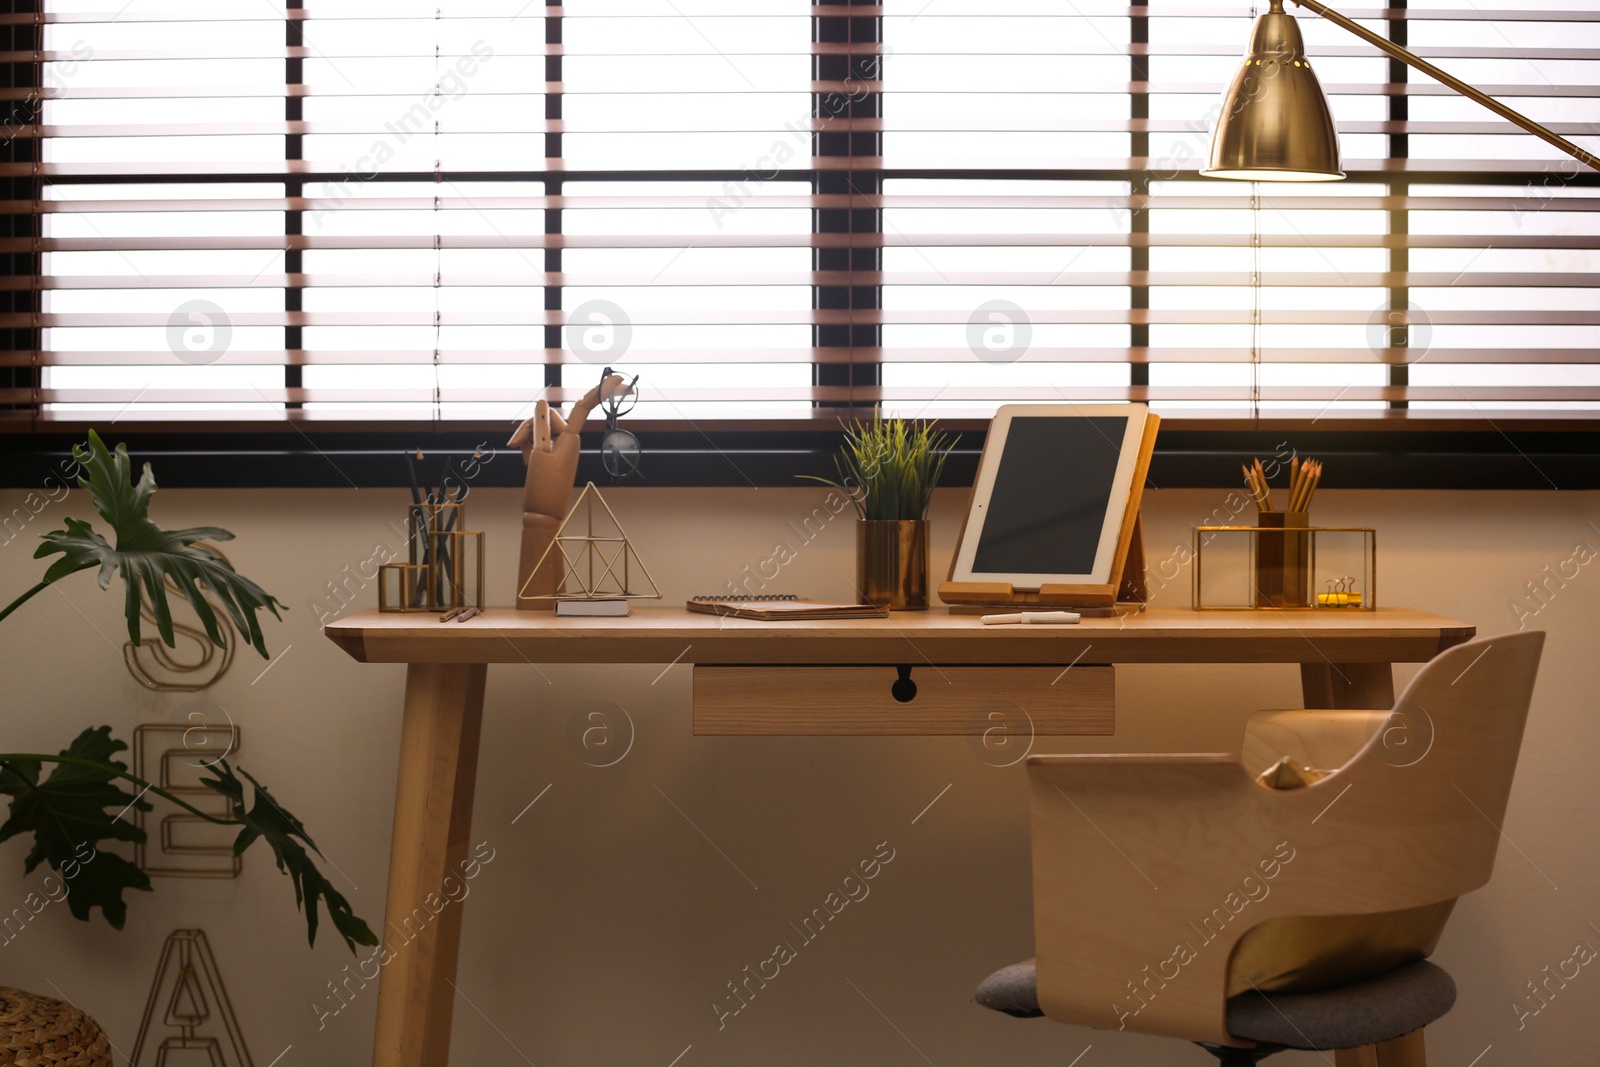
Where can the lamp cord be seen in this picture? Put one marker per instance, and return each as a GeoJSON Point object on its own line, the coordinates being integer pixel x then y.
{"type": "Point", "coordinates": [438, 236]}
{"type": "Point", "coordinates": [1255, 287]}
{"type": "Point", "coordinates": [1255, 299]}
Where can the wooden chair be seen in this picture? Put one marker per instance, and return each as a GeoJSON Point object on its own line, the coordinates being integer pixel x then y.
{"type": "Point", "coordinates": [1148, 870]}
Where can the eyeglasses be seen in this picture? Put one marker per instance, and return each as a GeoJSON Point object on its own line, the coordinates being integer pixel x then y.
{"type": "Point", "coordinates": [619, 449]}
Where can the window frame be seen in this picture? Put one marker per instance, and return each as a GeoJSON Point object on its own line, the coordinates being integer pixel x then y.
{"type": "Point", "coordinates": [1525, 455]}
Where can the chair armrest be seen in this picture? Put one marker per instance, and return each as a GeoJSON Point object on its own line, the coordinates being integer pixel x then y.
{"type": "Point", "coordinates": [1129, 851]}
{"type": "Point", "coordinates": [1322, 739]}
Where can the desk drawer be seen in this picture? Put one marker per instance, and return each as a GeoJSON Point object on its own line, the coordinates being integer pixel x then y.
{"type": "Point", "coordinates": [862, 700]}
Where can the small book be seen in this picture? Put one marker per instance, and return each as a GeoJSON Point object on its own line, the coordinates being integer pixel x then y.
{"type": "Point", "coordinates": [594, 608]}
{"type": "Point", "coordinates": [768, 608]}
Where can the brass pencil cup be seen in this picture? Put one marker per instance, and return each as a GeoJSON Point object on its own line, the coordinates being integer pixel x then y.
{"type": "Point", "coordinates": [892, 563]}
{"type": "Point", "coordinates": [404, 586]}
{"type": "Point", "coordinates": [425, 521]}
{"type": "Point", "coordinates": [457, 578]}
{"type": "Point", "coordinates": [1283, 559]}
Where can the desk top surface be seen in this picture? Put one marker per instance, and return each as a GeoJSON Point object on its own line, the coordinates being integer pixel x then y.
{"type": "Point", "coordinates": [657, 633]}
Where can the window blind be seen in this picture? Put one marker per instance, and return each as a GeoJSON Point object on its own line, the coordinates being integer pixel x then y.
{"type": "Point", "coordinates": [342, 213]}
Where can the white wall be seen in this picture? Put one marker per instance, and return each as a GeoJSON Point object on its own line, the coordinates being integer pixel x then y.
{"type": "Point", "coordinates": [607, 924]}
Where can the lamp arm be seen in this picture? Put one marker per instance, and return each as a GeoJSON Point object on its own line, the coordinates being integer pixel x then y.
{"type": "Point", "coordinates": [1388, 47]}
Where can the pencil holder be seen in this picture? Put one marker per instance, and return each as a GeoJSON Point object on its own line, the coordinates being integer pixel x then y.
{"type": "Point", "coordinates": [1283, 559]}
{"type": "Point", "coordinates": [425, 521]}
{"type": "Point", "coordinates": [456, 578]}
{"type": "Point", "coordinates": [403, 587]}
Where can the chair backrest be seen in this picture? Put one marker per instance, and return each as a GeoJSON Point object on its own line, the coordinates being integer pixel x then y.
{"type": "Point", "coordinates": [1149, 868]}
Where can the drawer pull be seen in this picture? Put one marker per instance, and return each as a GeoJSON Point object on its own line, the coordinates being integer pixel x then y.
{"type": "Point", "coordinates": [904, 689]}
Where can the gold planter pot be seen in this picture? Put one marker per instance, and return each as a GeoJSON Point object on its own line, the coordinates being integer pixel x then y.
{"type": "Point", "coordinates": [892, 563]}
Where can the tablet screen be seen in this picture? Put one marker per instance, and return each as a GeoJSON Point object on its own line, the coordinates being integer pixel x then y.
{"type": "Point", "coordinates": [1051, 494]}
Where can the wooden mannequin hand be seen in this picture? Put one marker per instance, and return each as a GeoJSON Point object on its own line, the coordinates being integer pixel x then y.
{"type": "Point", "coordinates": [611, 388]}
{"type": "Point", "coordinates": [548, 485]}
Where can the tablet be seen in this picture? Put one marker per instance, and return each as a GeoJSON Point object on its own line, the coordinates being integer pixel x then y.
{"type": "Point", "coordinates": [1051, 495]}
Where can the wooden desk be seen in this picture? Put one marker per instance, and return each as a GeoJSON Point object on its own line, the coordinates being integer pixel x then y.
{"type": "Point", "coordinates": [1344, 659]}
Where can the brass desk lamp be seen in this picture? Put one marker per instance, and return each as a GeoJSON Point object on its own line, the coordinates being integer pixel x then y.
{"type": "Point", "coordinates": [1275, 123]}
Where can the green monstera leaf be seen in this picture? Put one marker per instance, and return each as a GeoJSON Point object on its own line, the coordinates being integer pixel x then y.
{"type": "Point", "coordinates": [70, 814]}
{"type": "Point", "coordinates": [266, 819]}
{"type": "Point", "coordinates": [80, 806]}
{"type": "Point", "coordinates": [147, 555]}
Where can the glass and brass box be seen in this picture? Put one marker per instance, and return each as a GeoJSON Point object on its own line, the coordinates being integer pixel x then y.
{"type": "Point", "coordinates": [1288, 565]}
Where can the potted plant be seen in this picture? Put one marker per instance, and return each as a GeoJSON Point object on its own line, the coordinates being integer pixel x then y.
{"type": "Point", "coordinates": [73, 810]}
{"type": "Point", "coordinates": [889, 468]}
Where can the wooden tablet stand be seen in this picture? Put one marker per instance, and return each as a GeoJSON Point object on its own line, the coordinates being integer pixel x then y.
{"type": "Point", "coordinates": [1127, 585]}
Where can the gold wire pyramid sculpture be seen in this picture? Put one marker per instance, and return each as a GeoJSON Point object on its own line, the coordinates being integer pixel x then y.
{"type": "Point", "coordinates": [596, 564]}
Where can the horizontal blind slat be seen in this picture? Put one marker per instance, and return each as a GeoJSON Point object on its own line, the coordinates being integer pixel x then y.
{"type": "Point", "coordinates": [551, 241]}
{"type": "Point", "coordinates": [552, 126]}
{"type": "Point", "coordinates": [827, 317]}
{"type": "Point", "coordinates": [557, 356]}
{"type": "Point", "coordinates": [822, 394]}
{"type": "Point", "coordinates": [1208, 90]}
{"type": "Point", "coordinates": [816, 11]}
{"type": "Point", "coordinates": [1526, 199]}
{"type": "Point", "coordinates": [1108, 168]}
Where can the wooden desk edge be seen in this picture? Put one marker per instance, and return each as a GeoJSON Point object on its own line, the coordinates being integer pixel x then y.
{"type": "Point", "coordinates": [1451, 636]}
{"type": "Point", "coordinates": [1414, 636]}
{"type": "Point", "coordinates": [354, 642]}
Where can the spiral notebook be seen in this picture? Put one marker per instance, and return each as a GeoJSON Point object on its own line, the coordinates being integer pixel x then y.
{"type": "Point", "coordinates": [768, 608]}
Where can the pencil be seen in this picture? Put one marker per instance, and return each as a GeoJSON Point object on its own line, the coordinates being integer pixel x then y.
{"type": "Point", "coordinates": [1302, 487]}
{"type": "Point", "coordinates": [1254, 486]}
{"type": "Point", "coordinates": [416, 492]}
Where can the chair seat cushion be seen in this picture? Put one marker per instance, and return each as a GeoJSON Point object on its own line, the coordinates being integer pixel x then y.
{"type": "Point", "coordinates": [1308, 953]}
{"type": "Point", "coordinates": [1362, 1013]}
{"type": "Point", "coordinates": [1013, 990]}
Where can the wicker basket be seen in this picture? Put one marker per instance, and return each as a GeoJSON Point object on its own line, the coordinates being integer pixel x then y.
{"type": "Point", "coordinates": [36, 1031]}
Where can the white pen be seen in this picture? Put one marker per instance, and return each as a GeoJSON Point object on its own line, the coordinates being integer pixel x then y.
{"type": "Point", "coordinates": [1032, 616]}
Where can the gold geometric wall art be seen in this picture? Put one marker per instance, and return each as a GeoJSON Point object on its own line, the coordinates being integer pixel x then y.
{"type": "Point", "coordinates": [174, 756]}
{"type": "Point", "coordinates": [168, 670]}
{"type": "Point", "coordinates": [193, 1004]}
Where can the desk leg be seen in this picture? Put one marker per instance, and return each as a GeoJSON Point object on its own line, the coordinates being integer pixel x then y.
{"type": "Point", "coordinates": [432, 822]}
{"type": "Point", "coordinates": [1348, 685]}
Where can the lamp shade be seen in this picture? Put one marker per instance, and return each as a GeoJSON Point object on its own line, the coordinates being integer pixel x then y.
{"type": "Point", "coordinates": [1275, 123]}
